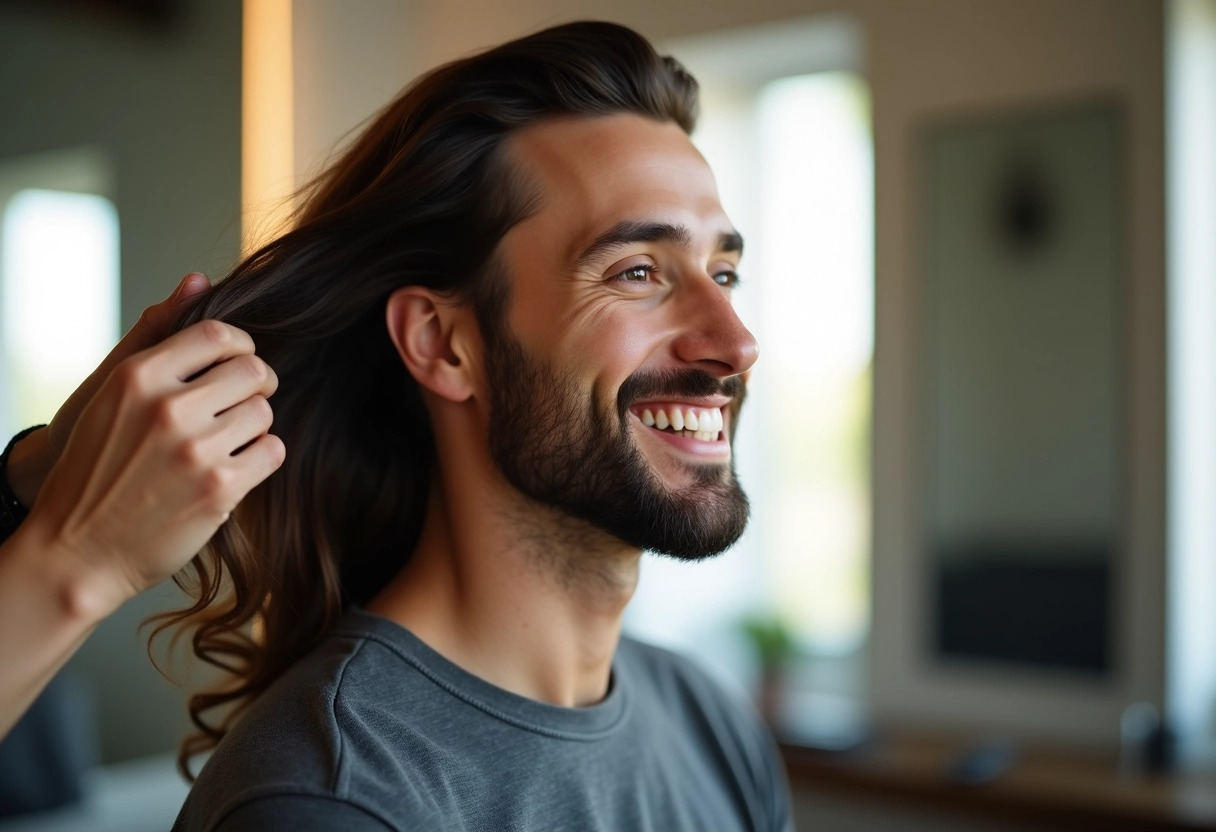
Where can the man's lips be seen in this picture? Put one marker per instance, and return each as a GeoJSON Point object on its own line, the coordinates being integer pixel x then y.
{"type": "Point", "coordinates": [699, 427]}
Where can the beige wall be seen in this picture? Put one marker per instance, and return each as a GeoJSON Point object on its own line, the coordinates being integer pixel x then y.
{"type": "Point", "coordinates": [350, 60]}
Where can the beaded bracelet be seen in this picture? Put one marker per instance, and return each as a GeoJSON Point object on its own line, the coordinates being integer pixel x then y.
{"type": "Point", "coordinates": [12, 512]}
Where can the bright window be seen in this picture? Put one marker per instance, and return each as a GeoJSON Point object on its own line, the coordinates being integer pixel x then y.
{"type": "Point", "coordinates": [58, 298]}
{"type": "Point", "coordinates": [816, 313]}
{"type": "Point", "coordinates": [1191, 190]}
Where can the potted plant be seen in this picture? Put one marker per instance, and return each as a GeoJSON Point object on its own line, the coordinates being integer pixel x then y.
{"type": "Point", "coordinates": [774, 646]}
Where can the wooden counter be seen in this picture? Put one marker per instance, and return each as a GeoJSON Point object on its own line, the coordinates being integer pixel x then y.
{"type": "Point", "coordinates": [1046, 788]}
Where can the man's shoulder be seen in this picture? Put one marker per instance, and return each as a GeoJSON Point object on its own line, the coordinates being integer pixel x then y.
{"type": "Point", "coordinates": [722, 721]}
{"type": "Point", "coordinates": [310, 734]}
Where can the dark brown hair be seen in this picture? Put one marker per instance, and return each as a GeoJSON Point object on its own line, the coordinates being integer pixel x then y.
{"type": "Point", "coordinates": [422, 198]}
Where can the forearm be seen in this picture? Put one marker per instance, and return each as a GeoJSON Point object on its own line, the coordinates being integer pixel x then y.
{"type": "Point", "coordinates": [46, 612]}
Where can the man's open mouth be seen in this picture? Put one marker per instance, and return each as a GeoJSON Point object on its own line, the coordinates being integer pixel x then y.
{"type": "Point", "coordinates": [704, 423]}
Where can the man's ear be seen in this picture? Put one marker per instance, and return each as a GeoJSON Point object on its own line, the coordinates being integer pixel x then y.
{"type": "Point", "coordinates": [433, 339]}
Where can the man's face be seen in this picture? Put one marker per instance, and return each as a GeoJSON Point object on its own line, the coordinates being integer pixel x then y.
{"type": "Point", "coordinates": [618, 332]}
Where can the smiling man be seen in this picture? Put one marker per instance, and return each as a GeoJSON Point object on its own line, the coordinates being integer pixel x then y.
{"type": "Point", "coordinates": [645, 264]}
{"type": "Point", "coordinates": [508, 364]}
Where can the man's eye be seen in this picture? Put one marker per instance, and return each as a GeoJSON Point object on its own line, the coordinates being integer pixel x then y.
{"type": "Point", "coordinates": [728, 278]}
{"type": "Point", "coordinates": [636, 274]}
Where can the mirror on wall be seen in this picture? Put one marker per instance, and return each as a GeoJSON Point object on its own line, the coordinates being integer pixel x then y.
{"type": "Point", "coordinates": [1024, 378]}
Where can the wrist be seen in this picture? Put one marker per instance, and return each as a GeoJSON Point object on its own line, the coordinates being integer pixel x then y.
{"type": "Point", "coordinates": [60, 575]}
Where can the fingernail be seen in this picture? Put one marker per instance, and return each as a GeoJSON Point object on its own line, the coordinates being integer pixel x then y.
{"type": "Point", "coordinates": [192, 284]}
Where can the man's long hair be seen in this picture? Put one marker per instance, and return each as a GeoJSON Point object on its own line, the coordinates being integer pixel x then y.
{"type": "Point", "coordinates": [421, 198]}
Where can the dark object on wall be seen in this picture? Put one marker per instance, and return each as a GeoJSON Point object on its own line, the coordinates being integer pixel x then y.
{"type": "Point", "coordinates": [1028, 605]}
{"type": "Point", "coordinates": [1024, 385]}
{"type": "Point", "coordinates": [1026, 210]}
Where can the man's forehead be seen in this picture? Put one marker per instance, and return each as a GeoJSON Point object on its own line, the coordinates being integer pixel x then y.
{"type": "Point", "coordinates": [593, 173]}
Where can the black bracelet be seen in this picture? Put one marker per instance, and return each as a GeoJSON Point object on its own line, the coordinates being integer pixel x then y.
{"type": "Point", "coordinates": [12, 512]}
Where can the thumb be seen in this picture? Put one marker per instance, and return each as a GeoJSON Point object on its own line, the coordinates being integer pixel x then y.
{"type": "Point", "coordinates": [153, 325]}
{"type": "Point", "coordinates": [191, 285]}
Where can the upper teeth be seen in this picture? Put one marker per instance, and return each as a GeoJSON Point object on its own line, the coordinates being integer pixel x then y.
{"type": "Point", "coordinates": [703, 423]}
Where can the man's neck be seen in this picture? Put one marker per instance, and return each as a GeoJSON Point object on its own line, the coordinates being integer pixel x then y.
{"type": "Point", "coordinates": [518, 594]}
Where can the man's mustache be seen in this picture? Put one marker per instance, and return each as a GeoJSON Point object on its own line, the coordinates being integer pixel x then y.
{"type": "Point", "coordinates": [661, 384]}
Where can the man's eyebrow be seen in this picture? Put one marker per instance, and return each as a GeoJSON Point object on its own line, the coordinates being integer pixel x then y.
{"type": "Point", "coordinates": [646, 231]}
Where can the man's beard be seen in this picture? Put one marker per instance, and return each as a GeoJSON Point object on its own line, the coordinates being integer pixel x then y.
{"type": "Point", "coordinates": [554, 444]}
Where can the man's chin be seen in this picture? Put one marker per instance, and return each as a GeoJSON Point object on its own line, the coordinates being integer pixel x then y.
{"type": "Point", "coordinates": [695, 547]}
{"type": "Point", "coordinates": [695, 522]}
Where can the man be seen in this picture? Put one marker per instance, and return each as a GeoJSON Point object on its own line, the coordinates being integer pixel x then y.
{"type": "Point", "coordinates": [507, 363]}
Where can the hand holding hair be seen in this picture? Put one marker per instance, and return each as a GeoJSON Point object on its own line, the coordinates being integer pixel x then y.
{"type": "Point", "coordinates": [133, 476]}
{"type": "Point", "coordinates": [170, 443]}
{"type": "Point", "coordinates": [34, 456]}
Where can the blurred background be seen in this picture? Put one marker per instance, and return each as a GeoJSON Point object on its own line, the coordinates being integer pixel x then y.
{"type": "Point", "coordinates": [979, 588]}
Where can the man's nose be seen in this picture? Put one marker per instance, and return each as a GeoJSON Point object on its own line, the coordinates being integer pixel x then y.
{"type": "Point", "coordinates": [712, 334]}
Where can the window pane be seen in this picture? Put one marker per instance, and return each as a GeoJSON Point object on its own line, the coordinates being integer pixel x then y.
{"type": "Point", "coordinates": [816, 325]}
{"type": "Point", "coordinates": [58, 297]}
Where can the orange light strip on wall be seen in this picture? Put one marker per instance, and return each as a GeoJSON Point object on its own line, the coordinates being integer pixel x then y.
{"type": "Point", "coordinates": [267, 143]}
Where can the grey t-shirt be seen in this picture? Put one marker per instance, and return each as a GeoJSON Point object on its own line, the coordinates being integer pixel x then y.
{"type": "Point", "coordinates": [376, 731]}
